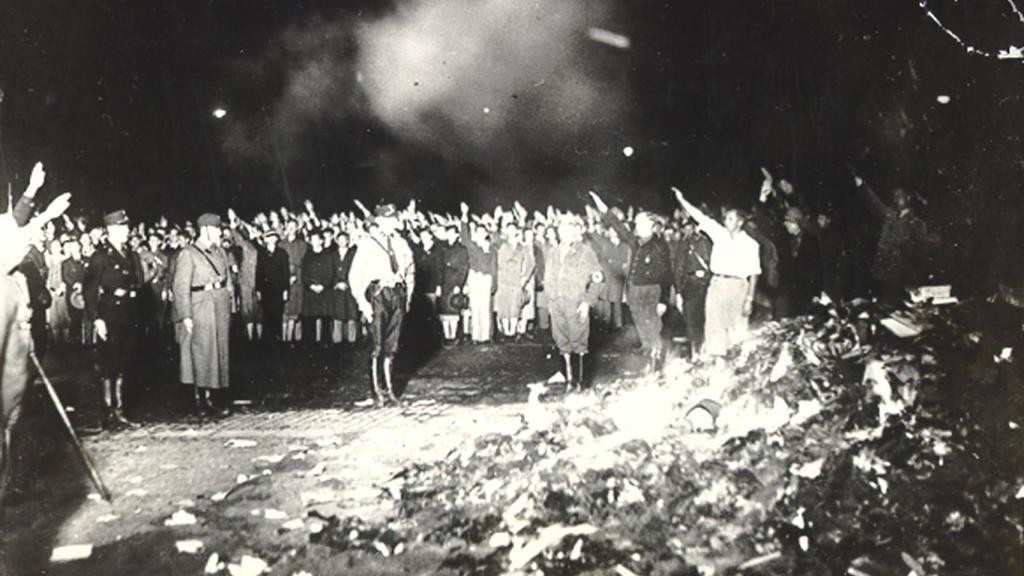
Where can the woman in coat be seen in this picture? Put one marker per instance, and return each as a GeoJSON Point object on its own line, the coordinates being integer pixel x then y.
{"type": "Point", "coordinates": [453, 273]}
{"type": "Point", "coordinates": [346, 312]}
{"type": "Point", "coordinates": [318, 280]}
{"type": "Point", "coordinates": [515, 270]}
{"type": "Point", "coordinates": [296, 248]}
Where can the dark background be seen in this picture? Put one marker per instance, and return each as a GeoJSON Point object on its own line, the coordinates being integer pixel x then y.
{"type": "Point", "coordinates": [115, 97]}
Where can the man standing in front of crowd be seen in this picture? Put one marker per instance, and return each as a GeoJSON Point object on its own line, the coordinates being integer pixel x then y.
{"type": "Point", "coordinates": [573, 281]}
{"type": "Point", "coordinates": [692, 272]}
{"type": "Point", "coordinates": [113, 287]}
{"type": "Point", "coordinates": [382, 280]}
{"type": "Point", "coordinates": [649, 279]}
{"type": "Point", "coordinates": [202, 302]}
{"type": "Point", "coordinates": [735, 267]}
{"type": "Point", "coordinates": [272, 285]}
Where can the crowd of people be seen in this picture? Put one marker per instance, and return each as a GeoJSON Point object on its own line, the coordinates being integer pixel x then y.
{"type": "Point", "coordinates": [291, 277]}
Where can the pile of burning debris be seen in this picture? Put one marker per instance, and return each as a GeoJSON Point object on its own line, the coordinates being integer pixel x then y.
{"type": "Point", "coordinates": [830, 445]}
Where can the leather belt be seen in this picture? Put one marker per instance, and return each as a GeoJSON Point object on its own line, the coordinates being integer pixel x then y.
{"type": "Point", "coordinates": [211, 286]}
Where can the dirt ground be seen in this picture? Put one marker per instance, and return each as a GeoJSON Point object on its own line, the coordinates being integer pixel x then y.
{"type": "Point", "coordinates": [297, 445]}
{"type": "Point", "coordinates": [302, 468]}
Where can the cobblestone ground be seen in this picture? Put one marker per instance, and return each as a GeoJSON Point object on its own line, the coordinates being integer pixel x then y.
{"type": "Point", "coordinates": [300, 439]}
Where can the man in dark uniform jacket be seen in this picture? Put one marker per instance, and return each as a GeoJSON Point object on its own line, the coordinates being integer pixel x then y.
{"type": "Point", "coordinates": [113, 285]}
{"type": "Point", "coordinates": [692, 275]}
{"type": "Point", "coordinates": [272, 285]}
{"type": "Point", "coordinates": [34, 268]}
{"type": "Point", "coordinates": [649, 279]}
{"type": "Point", "coordinates": [72, 272]}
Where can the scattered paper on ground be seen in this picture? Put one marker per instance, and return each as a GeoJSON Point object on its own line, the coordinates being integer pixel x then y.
{"type": "Point", "coordinates": [71, 552]}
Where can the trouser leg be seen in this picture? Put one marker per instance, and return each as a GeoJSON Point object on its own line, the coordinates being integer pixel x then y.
{"type": "Point", "coordinates": [569, 377]}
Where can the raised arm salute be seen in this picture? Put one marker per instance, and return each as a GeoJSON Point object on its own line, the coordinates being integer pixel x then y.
{"type": "Point", "coordinates": [735, 267]}
{"type": "Point", "coordinates": [649, 279]}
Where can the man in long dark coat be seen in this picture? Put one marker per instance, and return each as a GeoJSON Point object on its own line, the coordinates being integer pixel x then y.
{"type": "Point", "coordinates": [202, 300]}
{"type": "Point", "coordinates": [272, 275]}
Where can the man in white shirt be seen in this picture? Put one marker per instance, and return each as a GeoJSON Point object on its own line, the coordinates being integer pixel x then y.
{"type": "Point", "coordinates": [382, 280]}
{"type": "Point", "coordinates": [735, 267]}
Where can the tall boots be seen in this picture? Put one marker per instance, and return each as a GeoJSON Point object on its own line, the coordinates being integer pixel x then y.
{"type": "Point", "coordinates": [574, 371]}
{"type": "Point", "coordinates": [119, 403]}
{"type": "Point", "coordinates": [386, 368]}
{"type": "Point", "coordinates": [655, 361]}
{"type": "Point", "coordinates": [113, 402]}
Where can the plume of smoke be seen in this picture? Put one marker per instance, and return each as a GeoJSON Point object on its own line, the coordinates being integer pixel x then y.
{"type": "Point", "coordinates": [492, 81]}
{"type": "Point", "coordinates": [511, 91]}
{"type": "Point", "coordinates": [321, 86]}
{"type": "Point", "coordinates": [315, 59]}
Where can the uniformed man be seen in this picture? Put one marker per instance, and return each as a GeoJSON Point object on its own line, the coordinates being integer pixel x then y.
{"type": "Point", "coordinates": [72, 273]}
{"type": "Point", "coordinates": [113, 285]}
{"type": "Point", "coordinates": [614, 257]}
{"type": "Point", "coordinates": [35, 270]}
{"type": "Point", "coordinates": [202, 289]}
{"type": "Point", "coordinates": [649, 279]}
{"type": "Point", "coordinates": [692, 275]}
{"type": "Point", "coordinates": [573, 281]}
{"type": "Point", "coordinates": [154, 275]}
{"type": "Point", "coordinates": [382, 280]}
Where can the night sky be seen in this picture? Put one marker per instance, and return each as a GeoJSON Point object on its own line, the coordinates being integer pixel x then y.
{"type": "Point", "coordinates": [116, 98]}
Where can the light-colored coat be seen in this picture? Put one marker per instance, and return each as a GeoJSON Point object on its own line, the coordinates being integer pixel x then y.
{"type": "Point", "coordinates": [204, 352]}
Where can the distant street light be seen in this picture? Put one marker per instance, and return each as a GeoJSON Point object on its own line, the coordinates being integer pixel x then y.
{"type": "Point", "coordinates": [219, 113]}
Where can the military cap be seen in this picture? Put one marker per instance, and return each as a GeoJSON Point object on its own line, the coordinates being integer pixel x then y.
{"type": "Point", "coordinates": [208, 219]}
{"type": "Point", "coordinates": [115, 218]}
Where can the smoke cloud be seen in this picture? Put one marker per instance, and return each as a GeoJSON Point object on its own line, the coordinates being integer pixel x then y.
{"type": "Point", "coordinates": [513, 93]}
